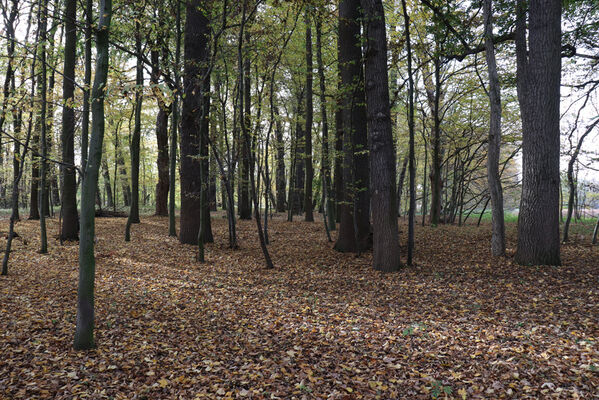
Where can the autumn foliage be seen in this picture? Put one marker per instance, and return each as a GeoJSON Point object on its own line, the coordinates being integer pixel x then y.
{"type": "Point", "coordinates": [459, 324]}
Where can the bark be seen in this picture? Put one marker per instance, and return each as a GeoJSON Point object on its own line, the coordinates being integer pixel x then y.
{"type": "Point", "coordinates": [42, 23]}
{"type": "Point", "coordinates": [538, 74]}
{"type": "Point", "coordinates": [494, 149]}
{"type": "Point", "coordinates": [86, 82]}
{"type": "Point", "coordinates": [172, 228]}
{"type": "Point", "coordinates": [382, 152]}
{"type": "Point", "coordinates": [245, 211]}
{"type": "Point", "coordinates": [195, 58]}
{"type": "Point", "coordinates": [326, 160]}
{"type": "Point", "coordinates": [436, 159]}
{"type": "Point", "coordinates": [309, 216]}
{"type": "Point", "coordinates": [299, 158]}
{"type": "Point", "coordinates": [84, 332]}
{"type": "Point", "coordinates": [280, 173]}
{"type": "Point", "coordinates": [162, 187]}
{"type": "Point", "coordinates": [412, 155]}
{"type": "Point", "coordinates": [70, 217]}
{"type": "Point", "coordinates": [354, 228]}
{"type": "Point", "coordinates": [136, 137]}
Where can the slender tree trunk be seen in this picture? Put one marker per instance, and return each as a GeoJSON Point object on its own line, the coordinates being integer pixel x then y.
{"type": "Point", "coordinates": [245, 211]}
{"type": "Point", "coordinates": [280, 173]}
{"type": "Point", "coordinates": [412, 155]}
{"type": "Point", "coordinates": [326, 159]}
{"type": "Point", "coordinates": [538, 72]}
{"type": "Point", "coordinates": [493, 176]}
{"type": "Point", "coordinates": [89, 18]}
{"type": "Point", "coordinates": [42, 23]}
{"type": "Point", "coordinates": [382, 151]}
{"type": "Point", "coordinates": [136, 137]}
{"type": "Point", "coordinates": [84, 333]}
{"type": "Point", "coordinates": [571, 179]}
{"type": "Point", "coordinates": [172, 228]}
{"type": "Point", "coordinates": [309, 216]}
{"type": "Point", "coordinates": [299, 177]}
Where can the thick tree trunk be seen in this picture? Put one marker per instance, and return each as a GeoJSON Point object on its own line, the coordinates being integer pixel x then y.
{"type": "Point", "coordinates": [84, 333]}
{"type": "Point", "coordinates": [538, 73]}
{"type": "Point", "coordinates": [300, 164]}
{"type": "Point", "coordinates": [70, 217]}
{"type": "Point", "coordinates": [354, 228]}
{"type": "Point", "coordinates": [494, 147]}
{"type": "Point", "coordinates": [382, 152]}
{"type": "Point", "coordinates": [195, 56]}
{"type": "Point", "coordinates": [309, 216]}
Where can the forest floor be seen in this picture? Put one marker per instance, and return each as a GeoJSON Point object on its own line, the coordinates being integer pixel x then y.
{"type": "Point", "coordinates": [460, 324]}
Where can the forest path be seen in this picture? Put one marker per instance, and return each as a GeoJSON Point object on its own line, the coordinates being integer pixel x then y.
{"type": "Point", "coordinates": [321, 325]}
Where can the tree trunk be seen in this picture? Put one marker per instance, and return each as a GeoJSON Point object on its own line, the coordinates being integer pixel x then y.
{"type": "Point", "coordinates": [412, 160]}
{"type": "Point", "coordinates": [195, 56]}
{"type": "Point", "coordinates": [136, 137]}
{"type": "Point", "coordinates": [245, 211]}
{"type": "Point", "coordinates": [309, 216]}
{"type": "Point", "coordinates": [42, 24]}
{"type": "Point", "coordinates": [493, 176]}
{"type": "Point", "coordinates": [300, 160]}
{"type": "Point", "coordinates": [70, 218]}
{"type": "Point", "coordinates": [538, 73]}
{"type": "Point", "coordinates": [84, 333]}
{"type": "Point", "coordinates": [572, 180]}
{"type": "Point", "coordinates": [382, 152]}
{"type": "Point", "coordinates": [354, 228]}
{"type": "Point", "coordinates": [280, 174]}
{"type": "Point", "coordinates": [326, 159]}
{"type": "Point", "coordinates": [162, 187]}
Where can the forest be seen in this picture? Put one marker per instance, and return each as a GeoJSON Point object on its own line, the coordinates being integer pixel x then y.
{"type": "Point", "coordinates": [386, 199]}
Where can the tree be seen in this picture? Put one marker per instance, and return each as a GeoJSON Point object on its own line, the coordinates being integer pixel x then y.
{"type": "Point", "coordinates": [411, 155]}
{"type": "Point", "coordinates": [382, 155]}
{"type": "Point", "coordinates": [326, 161]}
{"type": "Point", "coordinates": [136, 137]}
{"type": "Point", "coordinates": [70, 217]}
{"type": "Point", "coordinates": [309, 120]}
{"type": "Point", "coordinates": [494, 147]}
{"type": "Point", "coordinates": [192, 118]}
{"type": "Point", "coordinates": [84, 332]}
{"type": "Point", "coordinates": [354, 227]}
{"type": "Point", "coordinates": [538, 72]}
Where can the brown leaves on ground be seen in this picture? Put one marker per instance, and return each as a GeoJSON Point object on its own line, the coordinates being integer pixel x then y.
{"type": "Point", "coordinates": [321, 325]}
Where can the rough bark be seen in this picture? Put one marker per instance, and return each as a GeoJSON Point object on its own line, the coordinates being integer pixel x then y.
{"type": "Point", "coordinates": [195, 58]}
{"type": "Point", "coordinates": [354, 228]}
{"type": "Point", "coordinates": [382, 152]}
{"type": "Point", "coordinates": [538, 73]}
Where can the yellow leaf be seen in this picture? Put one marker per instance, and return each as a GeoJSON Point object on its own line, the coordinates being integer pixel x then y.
{"type": "Point", "coordinates": [462, 392]}
{"type": "Point", "coordinates": [163, 383]}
